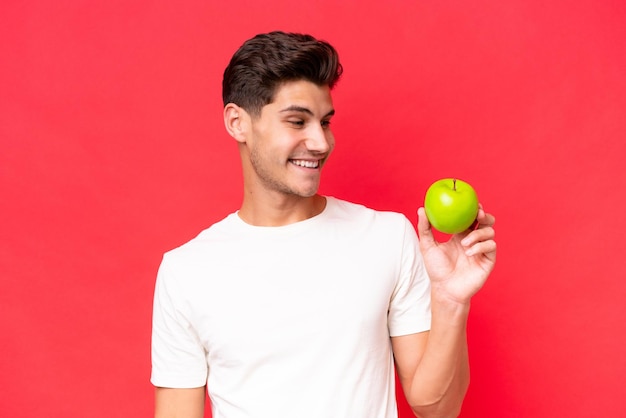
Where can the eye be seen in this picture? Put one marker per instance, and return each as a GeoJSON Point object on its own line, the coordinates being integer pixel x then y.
{"type": "Point", "coordinates": [296, 122]}
{"type": "Point", "coordinates": [325, 123]}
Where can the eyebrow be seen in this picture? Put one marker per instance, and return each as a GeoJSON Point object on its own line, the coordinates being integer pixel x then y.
{"type": "Point", "coordinates": [296, 108]}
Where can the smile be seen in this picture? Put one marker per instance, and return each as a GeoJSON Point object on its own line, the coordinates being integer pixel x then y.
{"type": "Point", "coordinates": [305, 163]}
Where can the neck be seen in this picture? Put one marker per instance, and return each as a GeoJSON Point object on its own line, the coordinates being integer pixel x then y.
{"type": "Point", "coordinates": [280, 210]}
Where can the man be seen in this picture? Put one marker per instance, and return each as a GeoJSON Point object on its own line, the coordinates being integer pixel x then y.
{"type": "Point", "coordinates": [299, 305]}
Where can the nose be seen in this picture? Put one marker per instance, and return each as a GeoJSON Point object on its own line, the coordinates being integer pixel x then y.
{"type": "Point", "coordinates": [319, 139]}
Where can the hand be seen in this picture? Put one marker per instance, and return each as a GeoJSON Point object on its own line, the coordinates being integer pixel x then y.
{"type": "Point", "coordinates": [459, 267]}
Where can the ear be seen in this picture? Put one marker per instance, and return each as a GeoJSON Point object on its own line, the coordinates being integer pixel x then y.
{"type": "Point", "coordinates": [236, 121]}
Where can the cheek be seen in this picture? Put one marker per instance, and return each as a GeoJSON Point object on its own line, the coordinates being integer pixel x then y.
{"type": "Point", "coordinates": [330, 139]}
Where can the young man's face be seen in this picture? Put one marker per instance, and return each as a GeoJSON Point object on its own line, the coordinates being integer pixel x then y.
{"type": "Point", "coordinates": [291, 140]}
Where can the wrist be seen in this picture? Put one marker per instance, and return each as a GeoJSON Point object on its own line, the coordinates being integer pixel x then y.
{"type": "Point", "coordinates": [450, 309]}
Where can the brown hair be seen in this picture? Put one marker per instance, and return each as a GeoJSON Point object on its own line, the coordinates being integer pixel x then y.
{"type": "Point", "coordinates": [265, 61]}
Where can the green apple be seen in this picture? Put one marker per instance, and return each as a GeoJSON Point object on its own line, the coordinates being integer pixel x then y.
{"type": "Point", "coordinates": [451, 205]}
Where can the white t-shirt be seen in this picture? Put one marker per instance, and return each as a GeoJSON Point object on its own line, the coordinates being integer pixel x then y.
{"type": "Point", "coordinates": [291, 321]}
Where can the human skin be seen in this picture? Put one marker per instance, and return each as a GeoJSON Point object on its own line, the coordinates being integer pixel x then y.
{"type": "Point", "coordinates": [283, 151]}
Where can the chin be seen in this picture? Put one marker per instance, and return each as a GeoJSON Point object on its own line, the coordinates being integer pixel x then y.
{"type": "Point", "coordinates": [306, 194]}
{"type": "Point", "coordinates": [305, 190]}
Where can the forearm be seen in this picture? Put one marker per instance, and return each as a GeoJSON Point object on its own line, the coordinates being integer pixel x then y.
{"type": "Point", "coordinates": [441, 377]}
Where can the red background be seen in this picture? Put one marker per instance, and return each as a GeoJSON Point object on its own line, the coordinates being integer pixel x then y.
{"type": "Point", "coordinates": [113, 151]}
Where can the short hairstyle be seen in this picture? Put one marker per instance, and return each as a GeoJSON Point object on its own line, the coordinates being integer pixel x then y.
{"type": "Point", "coordinates": [267, 60]}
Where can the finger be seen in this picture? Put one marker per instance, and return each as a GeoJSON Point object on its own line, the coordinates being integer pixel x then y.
{"type": "Point", "coordinates": [484, 219]}
{"type": "Point", "coordinates": [486, 248]}
{"type": "Point", "coordinates": [424, 229]}
{"type": "Point", "coordinates": [480, 217]}
{"type": "Point", "coordinates": [484, 233]}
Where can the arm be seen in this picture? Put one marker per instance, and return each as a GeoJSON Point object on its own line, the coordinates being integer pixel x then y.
{"type": "Point", "coordinates": [179, 366]}
{"type": "Point", "coordinates": [433, 366]}
{"type": "Point", "coordinates": [179, 403]}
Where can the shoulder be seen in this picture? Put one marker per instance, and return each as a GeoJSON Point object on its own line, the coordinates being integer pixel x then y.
{"type": "Point", "coordinates": [359, 213]}
{"type": "Point", "coordinates": [205, 240]}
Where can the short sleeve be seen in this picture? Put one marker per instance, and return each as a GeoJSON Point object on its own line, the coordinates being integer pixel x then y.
{"type": "Point", "coordinates": [409, 310]}
{"type": "Point", "coordinates": [178, 357]}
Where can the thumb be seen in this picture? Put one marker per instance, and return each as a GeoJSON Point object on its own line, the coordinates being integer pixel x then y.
{"type": "Point", "coordinates": [424, 230]}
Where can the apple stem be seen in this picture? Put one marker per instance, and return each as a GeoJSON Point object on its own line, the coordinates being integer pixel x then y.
{"type": "Point", "coordinates": [454, 184]}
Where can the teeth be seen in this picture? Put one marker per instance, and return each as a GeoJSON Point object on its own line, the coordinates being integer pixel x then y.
{"type": "Point", "coordinates": [307, 164]}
